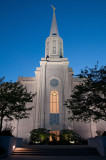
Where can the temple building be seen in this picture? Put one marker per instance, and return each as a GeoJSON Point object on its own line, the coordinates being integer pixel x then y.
{"type": "Point", "coordinates": [53, 83]}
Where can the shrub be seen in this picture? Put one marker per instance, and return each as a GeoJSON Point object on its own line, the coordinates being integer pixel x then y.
{"type": "Point", "coordinates": [42, 136]}
{"type": "Point", "coordinates": [39, 136]}
{"type": "Point", "coordinates": [71, 137]}
{"type": "Point", "coordinates": [99, 132]}
{"type": "Point", "coordinates": [104, 133]}
{"type": "Point", "coordinates": [7, 131]}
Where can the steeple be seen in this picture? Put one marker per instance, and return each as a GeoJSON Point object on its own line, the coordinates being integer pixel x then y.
{"type": "Point", "coordinates": [54, 29]}
{"type": "Point", "coordinates": [54, 43]}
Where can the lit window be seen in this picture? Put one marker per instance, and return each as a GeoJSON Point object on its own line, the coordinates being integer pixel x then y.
{"type": "Point", "coordinates": [54, 134]}
{"type": "Point", "coordinates": [54, 102]}
{"type": "Point", "coordinates": [54, 108]}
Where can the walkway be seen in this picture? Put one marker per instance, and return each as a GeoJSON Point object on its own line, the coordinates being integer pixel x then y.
{"type": "Point", "coordinates": [48, 152]}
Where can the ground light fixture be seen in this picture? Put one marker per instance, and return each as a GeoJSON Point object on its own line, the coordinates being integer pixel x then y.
{"type": "Point", "coordinates": [13, 147]}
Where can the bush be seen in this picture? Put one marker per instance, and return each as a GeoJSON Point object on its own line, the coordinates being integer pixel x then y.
{"type": "Point", "coordinates": [39, 136]}
{"type": "Point", "coordinates": [99, 132]}
{"type": "Point", "coordinates": [69, 137]}
{"type": "Point", "coordinates": [66, 137]}
{"type": "Point", "coordinates": [7, 131]}
{"type": "Point", "coordinates": [104, 133]}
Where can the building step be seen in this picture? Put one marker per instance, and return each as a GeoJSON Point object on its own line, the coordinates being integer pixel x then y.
{"type": "Point", "coordinates": [56, 151]}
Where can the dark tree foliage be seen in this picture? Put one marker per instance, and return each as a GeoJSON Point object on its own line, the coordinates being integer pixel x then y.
{"type": "Point", "coordinates": [13, 97]}
{"type": "Point", "coordinates": [88, 100]}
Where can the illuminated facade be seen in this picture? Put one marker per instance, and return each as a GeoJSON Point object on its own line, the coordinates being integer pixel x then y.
{"type": "Point", "coordinates": [53, 84]}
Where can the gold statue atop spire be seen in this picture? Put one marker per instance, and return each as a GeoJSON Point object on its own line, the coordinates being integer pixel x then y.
{"type": "Point", "coordinates": [53, 8]}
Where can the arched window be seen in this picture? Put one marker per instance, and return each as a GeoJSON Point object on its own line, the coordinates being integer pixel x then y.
{"type": "Point", "coordinates": [54, 108]}
{"type": "Point", "coordinates": [54, 102]}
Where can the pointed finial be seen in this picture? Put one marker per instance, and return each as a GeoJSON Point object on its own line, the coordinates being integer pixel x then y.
{"type": "Point", "coordinates": [53, 8]}
{"type": "Point", "coordinates": [54, 29]}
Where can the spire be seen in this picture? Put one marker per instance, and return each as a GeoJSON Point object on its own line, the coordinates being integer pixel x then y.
{"type": "Point", "coordinates": [54, 29]}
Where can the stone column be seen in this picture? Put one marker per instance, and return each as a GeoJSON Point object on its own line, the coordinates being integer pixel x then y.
{"type": "Point", "coordinates": [93, 128]}
{"type": "Point", "coordinates": [43, 96]}
{"type": "Point", "coordinates": [37, 103]}
{"type": "Point", "coordinates": [66, 92]}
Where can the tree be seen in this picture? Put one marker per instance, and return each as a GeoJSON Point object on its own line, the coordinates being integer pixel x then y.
{"type": "Point", "coordinates": [13, 97]}
{"type": "Point", "coordinates": [88, 101]}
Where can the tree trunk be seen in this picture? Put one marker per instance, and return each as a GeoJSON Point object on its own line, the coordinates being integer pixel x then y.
{"type": "Point", "coordinates": [1, 124]}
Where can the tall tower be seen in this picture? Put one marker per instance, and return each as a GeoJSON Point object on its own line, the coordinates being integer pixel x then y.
{"type": "Point", "coordinates": [53, 83]}
{"type": "Point", "coordinates": [54, 43]}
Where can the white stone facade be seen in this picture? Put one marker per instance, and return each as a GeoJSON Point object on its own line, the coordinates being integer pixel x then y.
{"type": "Point", "coordinates": [52, 75]}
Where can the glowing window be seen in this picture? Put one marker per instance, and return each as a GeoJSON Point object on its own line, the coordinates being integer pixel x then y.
{"type": "Point", "coordinates": [54, 135]}
{"type": "Point", "coordinates": [54, 102]}
{"type": "Point", "coordinates": [54, 108]}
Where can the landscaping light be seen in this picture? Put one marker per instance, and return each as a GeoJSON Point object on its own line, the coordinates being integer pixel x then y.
{"type": "Point", "coordinates": [72, 142]}
{"type": "Point", "coordinates": [13, 148]}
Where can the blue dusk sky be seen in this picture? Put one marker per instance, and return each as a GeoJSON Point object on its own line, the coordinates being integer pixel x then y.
{"type": "Point", "coordinates": [25, 25]}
